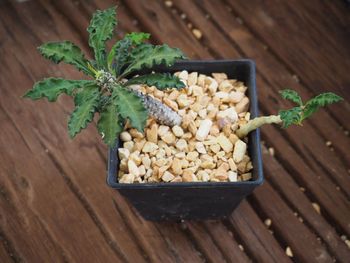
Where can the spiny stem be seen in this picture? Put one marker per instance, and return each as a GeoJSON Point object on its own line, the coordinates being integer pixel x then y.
{"type": "Point", "coordinates": [256, 123]}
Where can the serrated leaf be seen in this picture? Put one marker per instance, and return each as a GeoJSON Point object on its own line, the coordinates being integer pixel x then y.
{"type": "Point", "coordinates": [109, 124]}
{"type": "Point", "coordinates": [160, 80]}
{"type": "Point", "coordinates": [291, 95]}
{"type": "Point", "coordinates": [138, 37]}
{"type": "Point", "coordinates": [130, 107]}
{"type": "Point", "coordinates": [321, 100]}
{"type": "Point", "coordinates": [119, 54]}
{"type": "Point", "coordinates": [67, 52]}
{"type": "Point", "coordinates": [86, 102]}
{"type": "Point", "coordinates": [291, 116]}
{"type": "Point", "coordinates": [100, 30]}
{"type": "Point", "coordinates": [147, 56]}
{"type": "Point", "coordinates": [51, 88]}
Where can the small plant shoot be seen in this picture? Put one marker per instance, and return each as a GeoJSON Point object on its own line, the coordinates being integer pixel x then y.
{"type": "Point", "coordinates": [113, 73]}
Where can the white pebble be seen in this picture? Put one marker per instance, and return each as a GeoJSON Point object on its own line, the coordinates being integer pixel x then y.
{"type": "Point", "coordinates": [203, 129]}
{"type": "Point", "coordinates": [239, 151]}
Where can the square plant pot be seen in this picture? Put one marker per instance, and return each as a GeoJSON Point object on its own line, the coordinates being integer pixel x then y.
{"type": "Point", "coordinates": [196, 200]}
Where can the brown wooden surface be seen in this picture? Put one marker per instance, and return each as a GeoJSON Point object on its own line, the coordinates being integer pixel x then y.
{"type": "Point", "coordinates": [54, 202]}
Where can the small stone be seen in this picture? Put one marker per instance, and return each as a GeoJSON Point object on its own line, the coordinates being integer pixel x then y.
{"type": "Point", "coordinates": [235, 96]}
{"type": "Point", "coordinates": [177, 179]}
{"type": "Point", "coordinates": [176, 166]}
{"type": "Point", "coordinates": [129, 145]}
{"type": "Point", "coordinates": [142, 170]}
{"type": "Point", "coordinates": [200, 148]}
{"type": "Point", "coordinates": [197, 33]}
{"type": "Point", "coordinates": [246, 176]}
{"type": "Point", "coordinates": [133, 169]}
{"type": "Point", "coordinates": [135, 156]}
{"type": "Point", "coordinates": [271, 151]}
{"type": "Point", "coordinates": [212, 86]}
{"type": "Point", "coordinates": [162, 130]}
{"type": "Point", "coordinates": [192, 127]}
{"type": "Point", "coordinates": [149, 147]}
{"type": "Point", "coordinates": [215, 147]}
{"type": "Point", "coordinates": [192, 156]}
{"type": "Point", "coordinates": [219, 77]}
{"type": "Point", "coordinates": [184, 163]}
{"type": "Point", "coordinates": [172, 104]}
{"type": "Point", "coordinates": [221, 95]}
{"type": "Point", "coordinates": [183, 75]}
{"type": "Point", "coordinates": [202, 113]}
{"type": "Point", "coordinates": [152, 133]}
{"type": "Point", "coordinates": [289, 252]}
{"type": "Point", "coordinates": [183, 101]}
{"type": "Point", "coordinates": [188, 176]}
{"type": "Point", "coordinates": [243, 105]}
{"type": "Point", "coordinates": [178, 131]}
{"type": "Point", "coordinates": [146, 161]}
{"type": "Point", "coordinates": [181, 144]}
{"type": "Point", "coordinates": [139, 145]}
{"type": "Point", "coordinates": [167, 176]}
{"type": "Point", "coordinates": [233, 166]}
{"type": "Point", "coordinates": [214, 130]}
{"type": "Point", "coordinates": [125, 136]}
{"type": "Point", "coordinates": [225, 143]}
{"type": "Point", "coordinates": [192, 78]}
{"type": "Point", "coordinates": [168, 3]}
{"type": "Point", "coordinates": [127, 179]}
{"type": "Point", "coordinates": [203, 130]}
{"type": "Point", "coordinates": [226, 86]}
{"type": "Point", "coordinates": [239, 151]}
{"type": "Point", "coordinates": [197, 91]}
{"type": "Point", "coordinates": [232, 176]}
{"type": "Point", "coordinates": [208, 165]}
{"type": "Point", "coordinates": [136, 134]}
{"type": "Point", "coordinates": [317, 207]}
{"type": "Point", "coordinates": [123, 153]}
{"type": "Point", "coordinates": [169, 138]}
{"type": "Point", "coordinates": [180, 155]}
{"type": "Point", "coordinates": [224, 167]}
{"type": "Point", "coordinates": [204, 176]}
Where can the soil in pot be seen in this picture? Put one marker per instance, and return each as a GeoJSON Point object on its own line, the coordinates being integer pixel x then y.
{"type": "Point", "coordinates": [204, 148]}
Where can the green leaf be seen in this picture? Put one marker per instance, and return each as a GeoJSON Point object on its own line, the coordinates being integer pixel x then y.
{"type": "Point", "coordinates": [100, 30]}
{"type": "Point", "coordinates": [119, 53]}
{"type": "Point", "coordinates": [67, 52]}
{"type": "Point", "coordinates": [160, 80]}
{"type": "Point", "coordinates": [109, 124]}
{"type": "Point", "coordinates": [130, 107]}
{"type": "Point", "coordinates": [291, 116]}
{"type": "Point", "coordinates": [51, 88]}
{"type": "Point", "coordinates": [86, 102]}
{"type": "Point", "coordinates": [291, 95]}
{"type": "Point", "coordinates": [147, 56]}
{"type": "Point", "coordinates": [138, 37]}
{"type": "Point", "coordinates": [321, 100]}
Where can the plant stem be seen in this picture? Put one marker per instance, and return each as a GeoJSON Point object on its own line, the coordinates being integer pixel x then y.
{"type": "Point", "coordinates": [256, 123]}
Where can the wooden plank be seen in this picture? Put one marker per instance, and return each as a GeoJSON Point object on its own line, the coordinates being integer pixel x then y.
{"type": "Point", "coordinates": [286, 187]}
{"type": "Point", "coordinates": [302, 241]}
{"type": "Point", "coordinates": [321, 41]}
{"type": "Point", "coordinates": [257, 241]}
{"type": "Point", "coordinates": [7, 252]}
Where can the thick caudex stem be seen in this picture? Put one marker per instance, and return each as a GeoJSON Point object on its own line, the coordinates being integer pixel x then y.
{"type": "Point", "coordinates": [256, 123]}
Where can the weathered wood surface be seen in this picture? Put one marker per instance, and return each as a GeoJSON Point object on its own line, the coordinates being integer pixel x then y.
{"type": "Point", "coordinates": [54, 203]}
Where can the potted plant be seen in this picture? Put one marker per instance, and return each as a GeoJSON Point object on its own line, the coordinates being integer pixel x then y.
{"type": "Point", "coordinates": [181, 145]}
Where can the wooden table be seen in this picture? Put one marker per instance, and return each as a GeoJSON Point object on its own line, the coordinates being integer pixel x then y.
{"type": "Point", "coordinates": [54, 202]}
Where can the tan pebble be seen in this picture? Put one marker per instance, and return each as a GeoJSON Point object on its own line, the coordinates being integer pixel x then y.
{"type": "Point", "coordinates": [196, 107]}
{"type": "Point", "coordinates": [241, 166]}
{"type": "Point", "coordinates": [200, 80]}
{"type": "Point", "coordinates": [123, 165]}
{"type": "Point", "coordinates": [233, 137]}
{"type": "Point", "coordinates": [215, 147]}
{"type": "Point", "coordinates": [225, 143]}
{"type": "Point", "coordinates": [200, 148]}
{"type": "Point", "coordinates": [129, 145]}
{"type": "Point", "coordinates": [161, 162]}
{"type": "Point", "coordinates": [133, 169]}
{"type": "Point", "coordinates": [173, 95]}
{"type": "Point", "coordinates": [177, 179]}
{"type": "Point", "coordinates": [227, 130]}
{"type": "Point", "coordinates": [197, 33]}
{"type": "Point", "coordinates": [186, 121]}
{"type": "Point", "coordinates": [183, 75]}
{"type": "Point", "coordinates": [212, 86]}
{"type": "Point", "coordinates": [192, 127]}
{"type": "Point", "coordinates": [187, 136]}
{"type": "Point", "coordinates": [149, 147]}
{"type": "Point", "coordinates": [246, 176]}
{"type": "Point", "coordinates": [180, 155]}
{"type": "Point", "coordinates": [268, 222]}
{"type": "Point", "coordinates": [249, 166]}
{"type": "Point", "coordinates": [203, 130]}
{"type": "Point", "coordinates": [188, 176]}
{"type": "Point", "coordinates": [125, 136]}
{"type": "Point", "coordinates": [192, 78]}
{"type": "Point", "coordinates": [202, 113]}
{"type": "Point", "coordinates": [178, 131]}
{"type": "Point", "coordinates": [176, 166]}
{"type": "Point", "coordinates": [239, 151]}
{"type": "Point", "coordinates": [224, 167]}
{"type": "Point", "coordinates": [152, 133]}
{"type": "Point", "coordinates": [162, 170]}
{"type": "Point", "coordinates": [167, 176]}
{"type": "Point", "coordinates": [172, 104]}
{"type": "Point", "coordinates": [232, 165]}
{"type": "Point", "coordinates": [123, 153]}
{"type": "Point", "coordinates": [212, 113]}
{"type": "Point", "coordinates": [183, 101]}
{"type": "Point", "coordinates": [184, 163]}
{"type": "Point", "coordinates": [220, 154]}
{"type": "Point", "coordinates": [192, 156]}
{"type": "Point", "coordinates": [289, 252]}
{"type": "Point", "coordinates": [146, 161]}
{"type": "Point", "coordinates": [214, 130]}
{"type": "Point", "coordinates": [197, 91]}
{"type": "Point", "coordinates": [208, 165]}
{"type": "Point", "coordinates": [221, 95]}
{"type": "Point", "coordinates": [181, 144]}
{"type": "Point", "coordinates": [127, 179]}
{"type": "Point", "coordinates": [142, 170]}
{"type": "Point", "coordinates": [169, 138]}
{"type": "Point", "coordinates": [235, 96]}
{"type": "Point", "coordinates": [135, 156]}
{"type": "Point", "coordinates": [162, 130]}
{"type": "Point", "coordinates": [136, 134]}
{"type": "Point", "coordinates": [232, 176]}
{"type": "Point", "coordinates": [317, 207]}
{"type": "Point", "coordinates": [158, 94]}
{"type": "Point", "coordinates": [139, 145]}
{"type": "Point", "coordinates": [243, 105]}
{"type": "Point", "coordinates": [225, 86]}
{"type": "Point", "coordinates": [203, 176]}
{"type": "Point", "coordinates": [219, 77]}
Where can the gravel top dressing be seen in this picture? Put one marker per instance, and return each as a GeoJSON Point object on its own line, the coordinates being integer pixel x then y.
{"type": "Point", "coordinates": [204, 147]}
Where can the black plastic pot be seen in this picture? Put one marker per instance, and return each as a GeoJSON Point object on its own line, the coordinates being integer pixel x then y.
{"type": "Point", "coordinates": [204, 200]}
